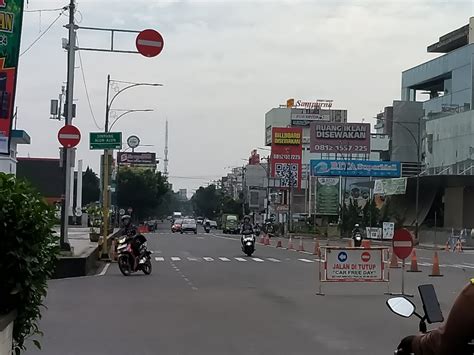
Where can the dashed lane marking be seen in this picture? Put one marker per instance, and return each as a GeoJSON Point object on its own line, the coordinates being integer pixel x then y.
{"type": "Point", "coordinates": [274, 260]}
{"type": "Point", "coordinates": [224, 259]}
{"type": "Point", "coordinates": [306, 260]}
{"type": "Point", "coordinates": [257, 259]}
{"type": "Point", "coordinates": [240, 259]}
{"type": "Point", "coordinates": [208, 258]}
{"type": "Point", "coordinates": [175, 258]}
{"type": "Point", "coordinates": [159, 258]}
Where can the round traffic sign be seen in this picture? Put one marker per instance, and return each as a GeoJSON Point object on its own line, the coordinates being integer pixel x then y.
{"type": "Point", "coordinates": [121, 212]}
{"type": "Point", "coordinates": [149, 43]}
{"type": "Point", "coordinates": [342, 256]}
{"type": "Point", "coordinates": [69, 136]}
{"type": "Point", "coordinates": [402, 243]}
{"type": "Point", "coordinates": [133, 141]}
{"type": "Point", "coordinates": [365, 256]}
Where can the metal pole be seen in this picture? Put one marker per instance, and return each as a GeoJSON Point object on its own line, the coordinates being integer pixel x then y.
{"type": "Point", "coordinates": [435, 229]}
{"type": "Point", "coordinates": [105, 185]}
{"type": "Point", "coordinates": [417, 180]}
{"type": "Point", "coordinates": [290, 186]}
{"type": "Point", "coordinates": [268, 190]}
{"type": "Point", "coordinates": [403, 276]}
{"type": "Point", "coordinates": [71, 51]}
{"type": "Point", "coordinates": [79, 186]}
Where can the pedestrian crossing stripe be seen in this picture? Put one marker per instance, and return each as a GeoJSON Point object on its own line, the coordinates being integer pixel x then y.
{"type": "Point", "coordinates": [226, 259]}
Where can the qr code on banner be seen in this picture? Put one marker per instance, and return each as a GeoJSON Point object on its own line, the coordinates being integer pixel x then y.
{"type": "Point", "coordinates": [287, 173]}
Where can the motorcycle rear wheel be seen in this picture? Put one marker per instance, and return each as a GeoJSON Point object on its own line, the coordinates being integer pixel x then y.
{"type": "Point", "coordinates": [147, 267]}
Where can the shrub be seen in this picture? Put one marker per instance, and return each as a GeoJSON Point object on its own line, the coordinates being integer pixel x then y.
{"type": "Point", "coordinates": [28, 248]}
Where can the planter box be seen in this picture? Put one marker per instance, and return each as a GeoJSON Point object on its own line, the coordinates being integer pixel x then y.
{"type": "Point", "coordinates": [6, 332]}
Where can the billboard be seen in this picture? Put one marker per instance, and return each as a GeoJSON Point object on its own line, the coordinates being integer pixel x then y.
{"type": "Point", "coordinates": [390, 186]}
{"type": "Point", "coordinates": [339, 137]}
{"type": "Point", "coordinates": [11, 16]}
{"type": "Point", "coordinates": [327, 196]}
{"type": "Point", "coordinates": [332, 167]}
{"type": "Point", "coordinates": [305, 119]}
{"type": "Point", "coordinates": [286, 155]}
{"type": "Point", "coordinates": [137, 159]}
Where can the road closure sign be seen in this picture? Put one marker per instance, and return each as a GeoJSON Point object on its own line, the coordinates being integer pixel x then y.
{"type": "Point", "coordinates": [354, 265]}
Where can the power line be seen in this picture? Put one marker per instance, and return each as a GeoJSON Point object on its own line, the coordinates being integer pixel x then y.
{"type": "Point", "coordinates": [42, 33]}
{"type": "Point", "coordinates": [47, 10]}
{"type": "Point", "coordinates": [85, 87]}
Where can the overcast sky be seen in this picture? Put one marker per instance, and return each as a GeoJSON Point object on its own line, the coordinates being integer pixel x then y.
{"type": "Point", "coordinates": [224, 65]}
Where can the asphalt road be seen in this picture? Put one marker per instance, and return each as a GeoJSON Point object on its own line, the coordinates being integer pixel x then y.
{"type": "Point", "coordinates": [205, 297]}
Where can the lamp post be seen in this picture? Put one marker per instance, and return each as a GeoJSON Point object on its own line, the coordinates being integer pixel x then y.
{"type": "Point", "coordinates": [417, 141]}
{"type": "Point", "coordinates": [105, 188]}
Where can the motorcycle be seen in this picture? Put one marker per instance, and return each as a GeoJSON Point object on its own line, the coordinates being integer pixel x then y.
{"type": "Point", "coordinates": [248, 244]}
{"type": "Point", "coordinates": [257, 230]}
{"type": "Point", "coordinates": [128, 262]}
{"type": "Point", "coordinates": [207, 228]}
{"type": "Point", "coordinates": [432, 311]}
{"type": "Point", "coordinates": [357, 236]}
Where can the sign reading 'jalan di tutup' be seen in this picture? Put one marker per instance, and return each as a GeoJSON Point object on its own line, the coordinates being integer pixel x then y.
{"type": "Point", "coordinates": [339, 137]}
{"type": "Point", "coordinates": [11, 18]}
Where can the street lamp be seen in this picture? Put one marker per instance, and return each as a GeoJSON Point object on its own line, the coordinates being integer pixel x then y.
{"type": "Point", "coordinates": [126, 112]}
{"type": "Point", "coordinates": [105, 189]}
{"type": "Point", "coordinates": [417, 141]}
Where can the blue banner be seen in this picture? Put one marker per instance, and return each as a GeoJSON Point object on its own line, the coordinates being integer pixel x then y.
{"type": "Point", "coordinates": [331, 167]}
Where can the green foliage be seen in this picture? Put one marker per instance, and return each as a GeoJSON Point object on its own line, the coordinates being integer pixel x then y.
{"type": "Point", "coordinates": [95, 213]}
{"type": "Point", "coordinates": [171, 202]}
{"type": "Point", "coordinates": [141, 190]}
{"type": "Point", "coordinates": [371, 215]}
{"type": "Point", "coordinates": [90, 187]}
{"type": "Point", "coordinates": [28, 249]}
{"type": "Point", "coordinates": [350, 215]}
{"type": "Point", "coordinates": [207, 202]}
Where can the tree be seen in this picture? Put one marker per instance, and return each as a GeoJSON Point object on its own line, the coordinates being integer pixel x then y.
{"type": "Point", "coordinates": [371, 214]}
{"type": "Point", "coordinates": [351, 214]}
{"type": "Point", "coordinates": [207, 202]}
{"type": "Point", "coordinates": [141, 190]}
{"type": "Point", "coordinates": [90, 187]}
{"type": "Point", "coordinates": [171, 202]}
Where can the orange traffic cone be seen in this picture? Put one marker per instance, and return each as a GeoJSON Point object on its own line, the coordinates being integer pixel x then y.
{"type": "Point", "coordinates": [414, 263]}
{"type": "Point", "coordinates": [301, 247]}
{"type": "Point", "coordinates": [262, 239]}
{"type": "Point", "coordinates": [366, 244]}
{"type": "Point", "coordinates": [435, 271]}
{"type": "Point", "coordinates": [317, 249]}
{"type": "Point", "coordinates": [290, 244]}
{"type": "Point", "coordinates": [349, 243]}
{"type": "Point", "coordinates": [458, 247]}
{"type": "Point", "coordinates": [394, 262]}
{"type": "Point", "coordinates": [266, 240]}
{"type": "Point", "coordinates": [279, 244]}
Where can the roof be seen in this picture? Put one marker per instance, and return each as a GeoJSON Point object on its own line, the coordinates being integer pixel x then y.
{"type": "Point", "coordinates": [451, 41]}
{"type": "Point", "coordinates": [19, 136]}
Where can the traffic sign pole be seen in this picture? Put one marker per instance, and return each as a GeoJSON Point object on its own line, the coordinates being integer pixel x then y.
{"type": "Point", "coordinates": [402, 245]}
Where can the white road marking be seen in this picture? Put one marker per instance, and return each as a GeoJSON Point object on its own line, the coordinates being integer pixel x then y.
{"type": "Point", "coordinates": [192, 259]}
{"type": "Point", "coordinates": [208, 258]}
{"type": "Point", "coordinates": [159, 258]}
{"type": "Point", "coordinates": [224, 259]}
{"type": "Point", "coordinates": [258, 259]}
{"type": "Point", "coordinates": [306, 260]}
{"type": "Point", "coordinates": [199, 237]}
{"type": "Point", "coordinates": [240, 259]}
{"type": "Point", "coordinates": [274, 260]}
{"type": "Point", "coordinates": [469, 264]}
{"type": "Point", "coordinates": [104, 270]}
{"type": "Point", "coordinates": [175, 258]}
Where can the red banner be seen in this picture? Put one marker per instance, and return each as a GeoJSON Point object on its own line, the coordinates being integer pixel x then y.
{"type": "Point", "coordinates": [286, 155]}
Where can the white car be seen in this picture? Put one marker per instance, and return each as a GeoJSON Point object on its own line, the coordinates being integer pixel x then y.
{"type": "Point", "coordinates": [189, 225]}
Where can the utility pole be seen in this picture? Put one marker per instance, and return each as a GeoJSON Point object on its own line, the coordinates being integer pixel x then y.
{"type": "Point", "coordinates": [71, 53]}
{"type": "Point", "coordinates": [105, 169]}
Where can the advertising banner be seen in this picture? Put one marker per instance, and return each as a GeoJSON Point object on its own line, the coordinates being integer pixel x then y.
{"type": "Point", "coordinates": [305, 119]}
{"type": "Point", "coordinates": [388, 230]}
{"type": "Point", "coordinates": [138, 159]}
{"type": "Point", "coordinates": [339, 137]}
{"type": "Point", "coordinates": [354, 265]}
{"type": "Point", "coordinates": [286, 155]}
{"type": "Point", "coordinates": [327, 196]}
{"type": "Point", "coordinates": [331, 167]}
{"type": "Point", "coordinates": [389, 187]}
{"type": "Point", "coordinates": [11, 18]}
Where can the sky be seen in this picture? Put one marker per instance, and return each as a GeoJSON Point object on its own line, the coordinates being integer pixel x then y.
{"type": "Point", "coordinates": [223, 66]}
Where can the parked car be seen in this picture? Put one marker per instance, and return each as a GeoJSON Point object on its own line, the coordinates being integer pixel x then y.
{"type": "Point", "coordinates": [189, 225]}
{"type": "Point", "coordinates": [176, 226]}
{"type": "Point", "coordinates": [200, 220]}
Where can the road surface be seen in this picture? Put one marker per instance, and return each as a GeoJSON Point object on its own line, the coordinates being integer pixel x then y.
{"type": "Point", "coordinates": [205, 297]}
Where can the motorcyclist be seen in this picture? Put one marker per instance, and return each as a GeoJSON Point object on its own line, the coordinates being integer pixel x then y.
{"type": "Point", "coordinates": [451, 337]}
{"type": "Point", "coordinates": [207, 224]}
{"type": "Point", "coordinates": [246, 228]}
{"type": "Point", "coordinates": [130, 230]}
{"type": "Point", "coordinates": [356, 229]}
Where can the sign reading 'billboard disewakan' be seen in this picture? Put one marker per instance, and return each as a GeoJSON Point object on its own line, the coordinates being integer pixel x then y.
{"type": "Point", "coordinates": [340, 137]}
{"type": "Point", "coordinates": [286, 155]}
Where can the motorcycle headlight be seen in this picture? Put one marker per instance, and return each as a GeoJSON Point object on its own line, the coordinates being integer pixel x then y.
{"type": "Point", "coordinates": [249, 243]}
{"type": "Point", "coordinates": [122, 240]}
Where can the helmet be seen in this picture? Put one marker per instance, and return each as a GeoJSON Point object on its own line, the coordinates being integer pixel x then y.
{"type": "Point", "coordinates": [125, 216]}
{"type": "Point", "coordinates": [247, 217]}
{"type": "Point", "coordinates": [356, 225]}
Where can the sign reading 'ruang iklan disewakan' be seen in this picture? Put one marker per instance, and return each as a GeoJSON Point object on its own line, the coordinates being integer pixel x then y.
{"type": "Point", "coordinates": [11, 17]}
{"type": "Point", "coordinates": [339, 137]}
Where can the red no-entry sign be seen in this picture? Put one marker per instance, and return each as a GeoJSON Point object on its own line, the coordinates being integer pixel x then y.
{"type": "Point", "coordinates": [402, 243]}
{"type": "Point", "coordinates": [149, 43]}
{"type": "Point", "coordinates": [69, 136]}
